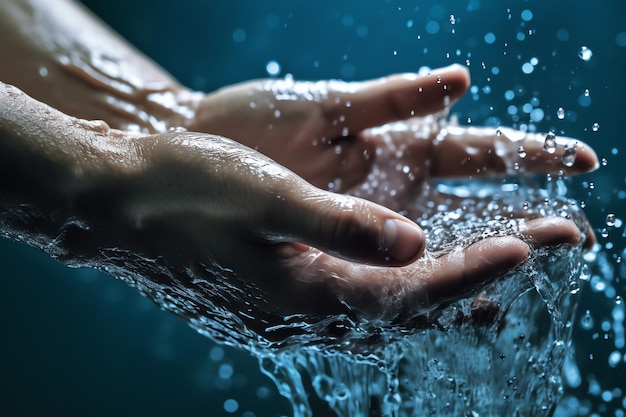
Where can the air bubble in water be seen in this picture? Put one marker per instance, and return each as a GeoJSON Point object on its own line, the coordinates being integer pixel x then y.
{"type": "Point", "coordinates": [585, 53]}
{"type": "Point", "coordinates": [569, 155]}
{"type": "Point", "coordinates": [595, 127]}
{"type": "Point", "coordinates": [521, 152]}
{"type": "Point", "coordinates": [560, 113]}
{"type": "Point", "coordinates": [610, 219]}
{"type": "Point", "coordinates": [549, 145]}
{"type": "Point", "coordinates": [586, 321]}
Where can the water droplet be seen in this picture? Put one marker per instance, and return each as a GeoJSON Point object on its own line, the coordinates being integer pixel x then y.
{"type": "Point", "coordinates": [560, 113]}
{"type": "Point", "coordinates": [521, 152]}
{"type": "Point", "coordinates": [525, 205]}
{"type": "Point", "coordinates": [527, 15]}
{"type": "Point", "coordinates": [610, 219]}
{"type": "Point", "coordinates": [585, 53]}
{"type": "Point", "coordinates": [586, 321]}
{"type": "Point", "coordinates": [586, 93]}
{"type": "Point", "coordinates": [584, 272]}
{"type": "Point", "coordinates": [604, 232]}
{"type": "Point", "coordinates": [595, 127]}
{"type": "Point", "coordinates": [452, 19]}
{"type": "Point", "coordinates": [272, 68]}
{"type": "Point", "coordinates": [569, 155]}
{"type": "Point", "coordinates": [438, 79]}
{"type": "Point", "coordinates": [498, 132]}
{"type": "Point", "coordinates": [549, 145]}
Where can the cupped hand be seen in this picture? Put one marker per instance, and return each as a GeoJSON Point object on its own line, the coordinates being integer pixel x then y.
{"type": "Point", "coordinates": [201, 199]}
{"type": "Point", "coordinates": [205, 200]}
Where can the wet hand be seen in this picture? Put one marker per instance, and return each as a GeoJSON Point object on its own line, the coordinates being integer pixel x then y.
{"type": "Point", "coordinates": [206, 200]}
{"type": "Point", "coordinates": [342, 136]}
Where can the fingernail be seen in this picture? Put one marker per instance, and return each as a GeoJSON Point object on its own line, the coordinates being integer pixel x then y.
{"type": "Point", "coordinates": [402, 241]}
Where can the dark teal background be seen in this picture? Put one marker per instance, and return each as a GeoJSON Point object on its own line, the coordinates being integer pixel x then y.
{"type": "Point", "coordinates": [79, 343]}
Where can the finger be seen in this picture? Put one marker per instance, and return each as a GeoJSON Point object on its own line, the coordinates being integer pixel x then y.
{"type": "Point", "coordinates": [352, 107]}
{"type": "Point", "coordinates": [551, 231]}
{"type": "Point", "coordinates": [466, 270]}
{"type": "Point", "coordinates": [471, 151]}
{"type": "Point", "coordinates": [590, 238]}
{"type": "Point", "coordinates": [346, 227]}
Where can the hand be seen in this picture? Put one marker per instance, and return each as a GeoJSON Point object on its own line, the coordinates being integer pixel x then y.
{"type": "Point", "coordinates": [107, 198]}
{"type": "Point", "coordinates": [187, 200]}
{"type": "Point", "coordinates": [337, 135]}
{"type": "Point", "coordinates": [203, 204]}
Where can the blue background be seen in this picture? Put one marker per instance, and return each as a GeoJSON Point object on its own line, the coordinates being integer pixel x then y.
{"type": "Point", "coordinates": [77, 342]}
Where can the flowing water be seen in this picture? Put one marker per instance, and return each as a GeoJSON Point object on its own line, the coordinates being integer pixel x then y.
{"type": "Point", "coordinates": [499, 352]}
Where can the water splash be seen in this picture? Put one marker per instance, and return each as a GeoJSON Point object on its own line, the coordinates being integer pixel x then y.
{"type": "Point", "coordinates": [500, 353]}
{"type": "Point", "coordinates": [550, 143]}
{"type": "Point", "coordinates": [585, 53]}
{"type": "Point", "coordinates": [496, 353]}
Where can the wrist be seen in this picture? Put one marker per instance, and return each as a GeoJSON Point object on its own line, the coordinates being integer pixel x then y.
{"type": "Point", "coordinates": [51, 165]}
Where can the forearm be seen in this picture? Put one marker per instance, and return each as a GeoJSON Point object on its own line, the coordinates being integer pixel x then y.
{"type": "Point", "coordinates": [62, 55]}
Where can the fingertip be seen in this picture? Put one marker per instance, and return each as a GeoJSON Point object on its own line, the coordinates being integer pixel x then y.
{"type": "Point", "coordinates": [461, 73]}
{"type": "Point", "coordinates": [402, 241]}
{"type": "Point", "coordinates": [455, 78]}
{"type": "Point", "coordinates": [586, 159]}
{"type": "Point", "coordinates": [590, 239]}
{"type": "Point", "coordinates": [551, 231]}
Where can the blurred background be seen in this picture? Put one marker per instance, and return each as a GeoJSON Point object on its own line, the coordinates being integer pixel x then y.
{"type": "Point", "coordinates": [78, 342]}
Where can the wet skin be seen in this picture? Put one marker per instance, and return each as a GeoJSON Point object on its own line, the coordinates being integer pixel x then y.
{"type": "Point", "coordinates": [262, 195]}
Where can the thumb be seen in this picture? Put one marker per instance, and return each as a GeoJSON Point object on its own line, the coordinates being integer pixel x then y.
{"type": "Point", "coordinates": [348, 227]}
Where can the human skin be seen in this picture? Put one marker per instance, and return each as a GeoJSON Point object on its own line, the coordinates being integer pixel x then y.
{"type": "Point", "coordinates": [78, 190]}
{"type": "Point", "coordinates": [199, 198]}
